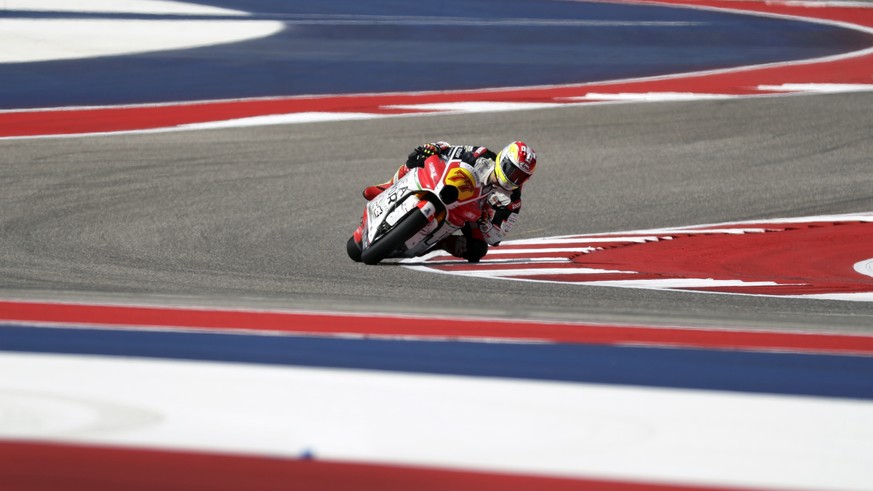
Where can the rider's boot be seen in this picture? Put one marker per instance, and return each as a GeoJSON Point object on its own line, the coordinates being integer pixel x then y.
{"type": "Point", "coordinates": [375, 190]}
{"type": "Point", "coordinates": [455, 245]}
{"type": "Point", "coordinates": [464, 247]}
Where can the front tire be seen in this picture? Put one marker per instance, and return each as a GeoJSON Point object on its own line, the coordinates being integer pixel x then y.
{"type": "Point", "coordinates": [353, 249]}
{"type": "Point", "coordinates": [390, 242]}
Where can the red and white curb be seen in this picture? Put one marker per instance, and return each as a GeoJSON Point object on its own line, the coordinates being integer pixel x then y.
{"type": "Point", "coordinates": [822, 257]}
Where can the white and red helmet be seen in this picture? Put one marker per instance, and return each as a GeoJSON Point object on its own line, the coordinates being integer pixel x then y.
{"type": "Point", "coordinates": [514, 165]}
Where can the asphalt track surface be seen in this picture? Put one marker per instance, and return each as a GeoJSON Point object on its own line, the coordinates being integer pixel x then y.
{"type": "Point", "coordinates": [259, 217]}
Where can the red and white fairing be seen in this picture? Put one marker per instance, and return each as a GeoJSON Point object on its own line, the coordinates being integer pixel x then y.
{"type": "Point", "coordinates": [425, 188]}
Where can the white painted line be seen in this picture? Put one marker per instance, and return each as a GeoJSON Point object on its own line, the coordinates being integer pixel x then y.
{"type": "Point", "coordinates": [583, 239]}
{"type": "Point", "coordinates": [849, 297]}
{"type": "Point", "coordinates": [155, 7]}
{"type": "Point", "coordinates": [822, 88]}
{"type": "Point", "coordinates": [307, 117]}
{"type": "Point", "coordinates": [681, 283]}
{"type": "Point", "coordinates": [499, 273]}
{"type": "Point", "coordinates": [865, 267]}
{"type": "Point", "coordinates": [35, 40]}
{"type": "Point", "coordinates": [824, 3]}
{"type": "Point", "coordinates": [649, 96]}
{"type": "Point", "coordinates": [474, 106]}
{"type": "Point", "coordinates": [429, 261]}
{"type": "Point", "coordinates": [659, 232]}
{"type": "Point", "coordinates": [497, 250]}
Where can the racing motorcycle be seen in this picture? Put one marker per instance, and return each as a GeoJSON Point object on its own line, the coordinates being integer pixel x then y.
{"type": "Point", "coordinates": [422, 208]}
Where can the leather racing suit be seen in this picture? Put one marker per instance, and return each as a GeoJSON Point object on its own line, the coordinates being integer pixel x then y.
{"type": "Point", "coordinates": [500, 209]}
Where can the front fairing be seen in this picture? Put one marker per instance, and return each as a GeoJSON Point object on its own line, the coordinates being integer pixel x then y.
{"type": "Point", "coordinates": [384, 211]}
{"type": "Point", "coordinates": [469, 181]}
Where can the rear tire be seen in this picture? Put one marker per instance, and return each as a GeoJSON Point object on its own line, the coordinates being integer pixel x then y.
{"type": "Point", "coordinates": [353, 249]}
{"type": "Point", "coordinates": [390, 242]}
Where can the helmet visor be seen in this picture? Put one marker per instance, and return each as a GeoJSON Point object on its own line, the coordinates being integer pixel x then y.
{"type": "Point", "coordinates": [513, 173]}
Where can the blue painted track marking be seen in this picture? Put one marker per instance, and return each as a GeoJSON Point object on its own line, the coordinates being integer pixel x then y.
{"type": "Point", "coordinates": [771, 373]}
{"type": "Point", "coordinates": [346, 46]}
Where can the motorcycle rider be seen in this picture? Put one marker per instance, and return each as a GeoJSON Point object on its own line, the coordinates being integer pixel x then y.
{"type": "Point", "coordinates": [506, 173]}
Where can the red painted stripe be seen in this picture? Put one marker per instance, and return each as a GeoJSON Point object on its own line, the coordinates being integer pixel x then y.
{"type": "Point", "coordinates": [26, 466]}
{"type": "Point", "coordinates": [428, 327]}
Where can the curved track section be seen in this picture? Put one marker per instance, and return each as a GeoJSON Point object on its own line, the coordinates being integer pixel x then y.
{"type": "Point", "coordinates": [263, 214]}
{"type": "Point", "coordinates": [302, 365]}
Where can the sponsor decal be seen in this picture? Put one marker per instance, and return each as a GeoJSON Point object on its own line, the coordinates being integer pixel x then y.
{"type": "Point", "coordinates": [433, 172]}
{"type": "Point", "coordinates": [463, 180]}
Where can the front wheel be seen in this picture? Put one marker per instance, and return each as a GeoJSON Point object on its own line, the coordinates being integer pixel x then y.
{"type": "Point", "coordinates": [396, 237]}
{"type": "Point", "coordinates": [353, 249]}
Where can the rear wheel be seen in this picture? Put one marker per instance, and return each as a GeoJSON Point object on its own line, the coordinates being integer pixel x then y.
{"type": "Point", "coordinates": [390, 242]}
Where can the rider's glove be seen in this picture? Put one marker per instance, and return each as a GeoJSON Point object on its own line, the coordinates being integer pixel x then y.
{"type": "Point", "coordinates": [499, 198]}
{"type": "Point", "coordinates": [491, 233]}
{"type": "Point", "coordinates": [484, 224]}
{"type": "Point", "coordinates": [487, 228]}
{"type": "Point", "coordinates": [418, 156]}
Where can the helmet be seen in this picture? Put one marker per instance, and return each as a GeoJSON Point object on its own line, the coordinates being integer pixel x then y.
{"type": "Point", "coordinates": [514, 165]}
